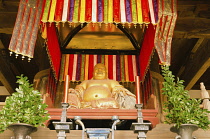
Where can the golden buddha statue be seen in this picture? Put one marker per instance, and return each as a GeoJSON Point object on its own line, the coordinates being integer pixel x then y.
{"type": "Point", "coordinates": [101, 92]}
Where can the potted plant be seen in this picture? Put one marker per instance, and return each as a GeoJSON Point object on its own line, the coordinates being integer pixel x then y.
{"type": "Point", "coordinates": [180, 109]}
{"type": "Point", "coordinates": [24, 107]}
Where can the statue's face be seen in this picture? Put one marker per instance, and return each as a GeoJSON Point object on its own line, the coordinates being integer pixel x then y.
{"type": "Point", "coordinates": [99, 72]}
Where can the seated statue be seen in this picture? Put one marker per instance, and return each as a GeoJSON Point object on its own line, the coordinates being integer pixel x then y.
{"type": "Point", "coordinates": [101, 92]}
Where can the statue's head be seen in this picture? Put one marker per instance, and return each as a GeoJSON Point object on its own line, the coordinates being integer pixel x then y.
{"type": "Point", "coordinates": [100, 72]}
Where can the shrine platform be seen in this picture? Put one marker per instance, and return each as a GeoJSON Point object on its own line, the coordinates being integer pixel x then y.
{"type": "Point", "coordinates": [100, 114]}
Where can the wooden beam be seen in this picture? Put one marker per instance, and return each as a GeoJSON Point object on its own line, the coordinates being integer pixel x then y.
{"type": "Point", "coordinates": [192, 27]}
{"type": "Point", "coordinates": [193, 51]}
{"type": "Point", "coordinates": [192, 2]}
{"type": "Point", "coordinates": [200, 72]}
{"type": "Point", "coordinates": [197, 45]}
{"type": "Point", "coordinates": [7, 22]}
{"type": "Point", "coordinates": [6, 83]}
{"type": "Point", "coordinates": [8, 13]}
{"type": "Point", "coordinates": [196, 65]}
{"type": "Point", "coordinates": [1, 45]}
{"type": "Point", "coordinates": [191, 34]}
{"type": "Point", "coordinates": [6, 75]}
{"type": "Point", "coordinates": [100, 51]}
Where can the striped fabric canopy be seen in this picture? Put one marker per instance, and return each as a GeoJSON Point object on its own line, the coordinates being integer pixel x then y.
{"type": "Point", "coordinates": [80, 67]}
{"type": "Point", "coordinates": [30, 13]}
{"type": "Point", "coordinates": [101, 11]}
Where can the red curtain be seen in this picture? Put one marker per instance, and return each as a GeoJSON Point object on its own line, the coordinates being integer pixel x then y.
{"type": "Point", "coordinates": [53, 48]}
{"type": "Point", "coordinates": [146, 50]}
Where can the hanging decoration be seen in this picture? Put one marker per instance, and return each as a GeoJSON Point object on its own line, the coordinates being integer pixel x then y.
{"type": "Point", "coordinates": [149, 12]}
{"type": "Point", "coordinates": [80, 67]}
{"type": "Point", "coordinates": [26, 28]}
{"type": "Point", "coordinates": [101, 11]}
{"type": "Point", "coordinates": [146, 51]}
{"type": "Point", "coordinates": [164, 30]}
{"type": "Point", "coordinates": [53, 47]}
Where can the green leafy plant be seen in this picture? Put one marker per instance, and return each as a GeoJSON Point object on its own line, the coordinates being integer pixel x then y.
{"type": "Point", "coordinates": [23, 106]}
{"type": "Point", "coordinates": [180, 108]}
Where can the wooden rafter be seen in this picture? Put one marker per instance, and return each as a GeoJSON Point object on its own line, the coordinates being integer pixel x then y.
{"type": "Point", "coordinates": [193, 51]}
{"type": "Point", "coordinates": [6, 76]}
{"type": "Point", "coordinates": [196, 65]}
{"type": "Point", "coordinates": [198, 74]}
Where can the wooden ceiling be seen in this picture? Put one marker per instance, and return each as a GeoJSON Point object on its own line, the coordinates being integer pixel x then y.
{"type": "Point", "coordinates": [190, 45]}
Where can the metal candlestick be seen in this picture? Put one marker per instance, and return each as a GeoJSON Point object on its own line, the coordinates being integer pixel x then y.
{"type": "Point", "coordinates": [63, 127]}
{"type": "Point", "coordinates": [140, 127]}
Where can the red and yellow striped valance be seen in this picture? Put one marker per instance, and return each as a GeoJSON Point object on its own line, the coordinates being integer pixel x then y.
{"type": "Point", "coordinates": [80, 67]}
{"type": "Point", "coordinates": [101, 11]}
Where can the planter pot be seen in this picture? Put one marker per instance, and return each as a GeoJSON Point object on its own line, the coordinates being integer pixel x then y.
{"type": "Point", "coordinates": [21, 130]}
{"type": "Point", "coordinates": [184, 131]}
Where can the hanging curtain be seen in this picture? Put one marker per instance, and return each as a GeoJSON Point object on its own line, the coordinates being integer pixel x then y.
{"type": "Point", "coordinates": [26, 28]}
{"type": "Point", "coordinates": [165, 28]}
{"type": "Point", "coordinates": [53, 48]}
{"type": "Point", "coordinates": [146, 50]}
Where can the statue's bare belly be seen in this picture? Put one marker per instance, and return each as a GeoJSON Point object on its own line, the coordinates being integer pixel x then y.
{"type": "Point", "coordinates": [96, 92]}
